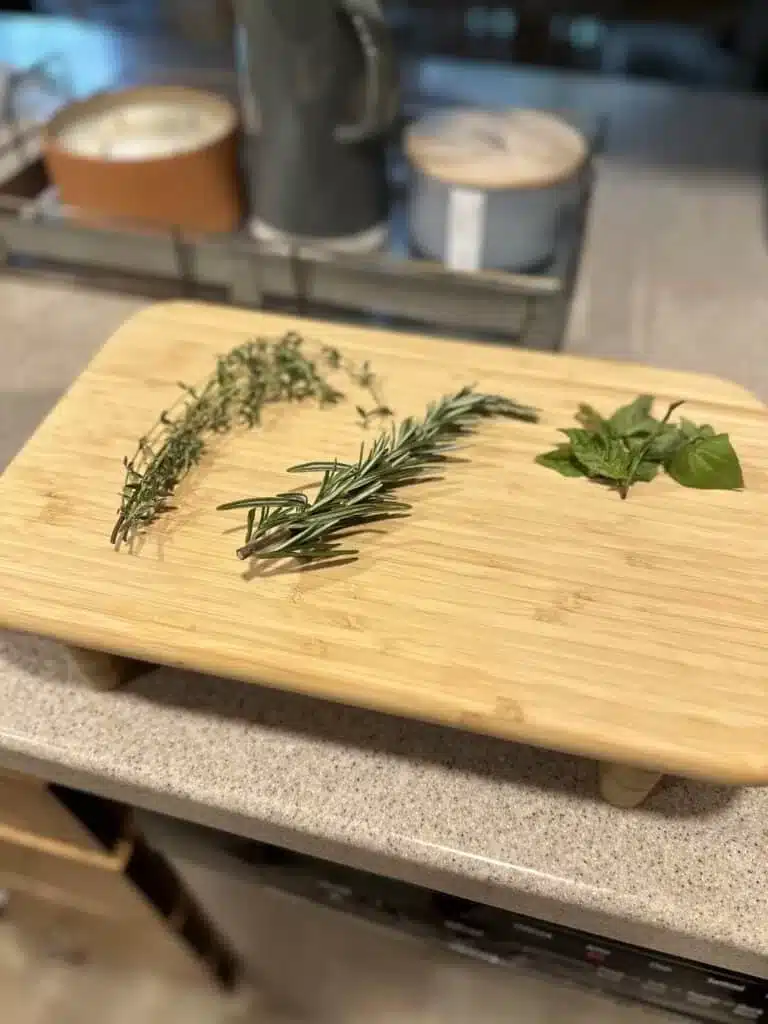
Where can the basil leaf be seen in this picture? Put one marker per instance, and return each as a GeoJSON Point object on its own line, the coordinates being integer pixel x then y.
{"type": "Point", "coordinates": [646, 471]}
{"type": "Point", "coordinates": [601, 456]}
{"type": "Point", "coordinates": [665, 443]}
{"type": "Point", "coordinates": [633, 418]}
{"type": "Point", "coordinates": [659, 447]}
{"type": "Point", "coordinates": [642, 429]}
{"type": "Point", "coordinates": [587, 449]}
{"type": "Point", "coordinates": [692, 431]}
{"type": "Point", "coordinates": [583, 442]}
{"type": "Point", "coordinates": [562, 461]}
{"type": "Point", "coordinates": [707, 462]}
{"type": "Point", "coordinates": [617, 460]}
{"type": "Point", "coordinates": [590, 419]}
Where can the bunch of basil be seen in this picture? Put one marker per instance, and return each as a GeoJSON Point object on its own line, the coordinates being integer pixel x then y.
{"type": "Point", "coordinates": [632, 445]}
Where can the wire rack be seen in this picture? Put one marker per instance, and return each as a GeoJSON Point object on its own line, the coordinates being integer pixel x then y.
{"type": "Point", "coordinates": [393, 288]}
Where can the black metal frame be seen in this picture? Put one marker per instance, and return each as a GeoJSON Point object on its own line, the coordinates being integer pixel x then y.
{"type": "Point", "coordinates": [399, 290]}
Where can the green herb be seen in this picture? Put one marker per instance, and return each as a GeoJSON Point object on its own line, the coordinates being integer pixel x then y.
{"type": "Point", "coordinates": [632, 446]}
{"type": "Point", "coordinates": [246, 379]}
{"type": "Point", "coordinates": [599, 455]}
{"type": "Point", "coordinates": [643, 462]}
{"type": "Point", "coordinates": [629, 420]}
{"type": "Point", "coordinates": [562, 460]}
{"type": "Point", "coordinates": [367, 415]}
{"type": "Point", "coordinates": [590, 419]}
{"type": "Point", "coordinates": [359, 493]}
{"type": "Point", "coordinates": [633, 420]}
{"type": "Point", "coordinates": [365, 378]}
{"type": "Point", "coordinates": [708, 462]}
{"type": "Point", "coordinates": [692, 432]}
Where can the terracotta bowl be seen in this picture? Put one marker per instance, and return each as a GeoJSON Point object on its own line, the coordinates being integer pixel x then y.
{"type": "Point", "coordinates": [198, 190]}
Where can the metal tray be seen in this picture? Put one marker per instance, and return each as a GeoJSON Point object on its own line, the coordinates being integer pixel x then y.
{"type": "Point", "coordinates": [394, 288]}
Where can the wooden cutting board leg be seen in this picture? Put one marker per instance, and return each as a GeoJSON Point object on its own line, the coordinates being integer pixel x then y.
{"type": "Point", "coordinates": [624, 786]}
{"type": "Point", "coordinates": [103, 671]}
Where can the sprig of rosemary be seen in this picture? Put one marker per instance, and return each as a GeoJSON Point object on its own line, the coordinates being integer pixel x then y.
{"type": "Point", "coordinates": [358, 493]}
{"type": "Point", "coordinates": [246, 379]}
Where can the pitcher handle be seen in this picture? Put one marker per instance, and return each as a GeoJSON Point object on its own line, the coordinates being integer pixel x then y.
{"type": "Point", "coordinates": [380, 103]}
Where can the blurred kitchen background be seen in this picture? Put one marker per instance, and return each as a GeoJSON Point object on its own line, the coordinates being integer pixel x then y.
{"type": "Point", "coordinates": [596, 63]}
{"type": "Point", "coordinates": [660, 90]}
{"type": "Point", "coordinates": [715, 43]}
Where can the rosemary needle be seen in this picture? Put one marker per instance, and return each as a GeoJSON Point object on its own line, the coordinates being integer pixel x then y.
{"type": "Point", "coordinates": [353, 494]}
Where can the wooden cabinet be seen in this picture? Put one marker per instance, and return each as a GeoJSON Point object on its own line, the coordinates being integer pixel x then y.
{"type": "Point", "coordinates": [74, 935]}
{"type": "Point", "coordinates": [31, 816]}
{"type": "Point", "coordinates": [83, 884]}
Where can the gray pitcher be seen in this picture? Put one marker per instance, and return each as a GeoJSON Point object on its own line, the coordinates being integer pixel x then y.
{"type": "Point", "coordinates": [322, 79]}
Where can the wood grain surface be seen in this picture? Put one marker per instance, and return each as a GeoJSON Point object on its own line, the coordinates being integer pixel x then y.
{"type": "Point", "coordinates": [512, 601]}
{"type": "Point", "coordinates": [496, 149]}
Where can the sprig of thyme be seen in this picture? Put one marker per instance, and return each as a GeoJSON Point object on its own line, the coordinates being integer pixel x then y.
{"type": "Point", "coordinates": [366, 379]}
{"type": "Point", "coordinates": [358, 493]}
{"type": "Point", "coordinates": [247, 378]}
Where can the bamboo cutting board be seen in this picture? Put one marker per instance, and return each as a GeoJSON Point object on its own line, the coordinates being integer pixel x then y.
{"type": "Point", "coordinates": [511, 601]}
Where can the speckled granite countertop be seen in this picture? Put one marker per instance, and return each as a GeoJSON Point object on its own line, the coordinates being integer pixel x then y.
{"type": "Point", "coordinates": [675, 273]}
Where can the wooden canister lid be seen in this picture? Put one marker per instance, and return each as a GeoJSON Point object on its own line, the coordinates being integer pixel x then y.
{"type": "Point", "coordinates": [496, 149]}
